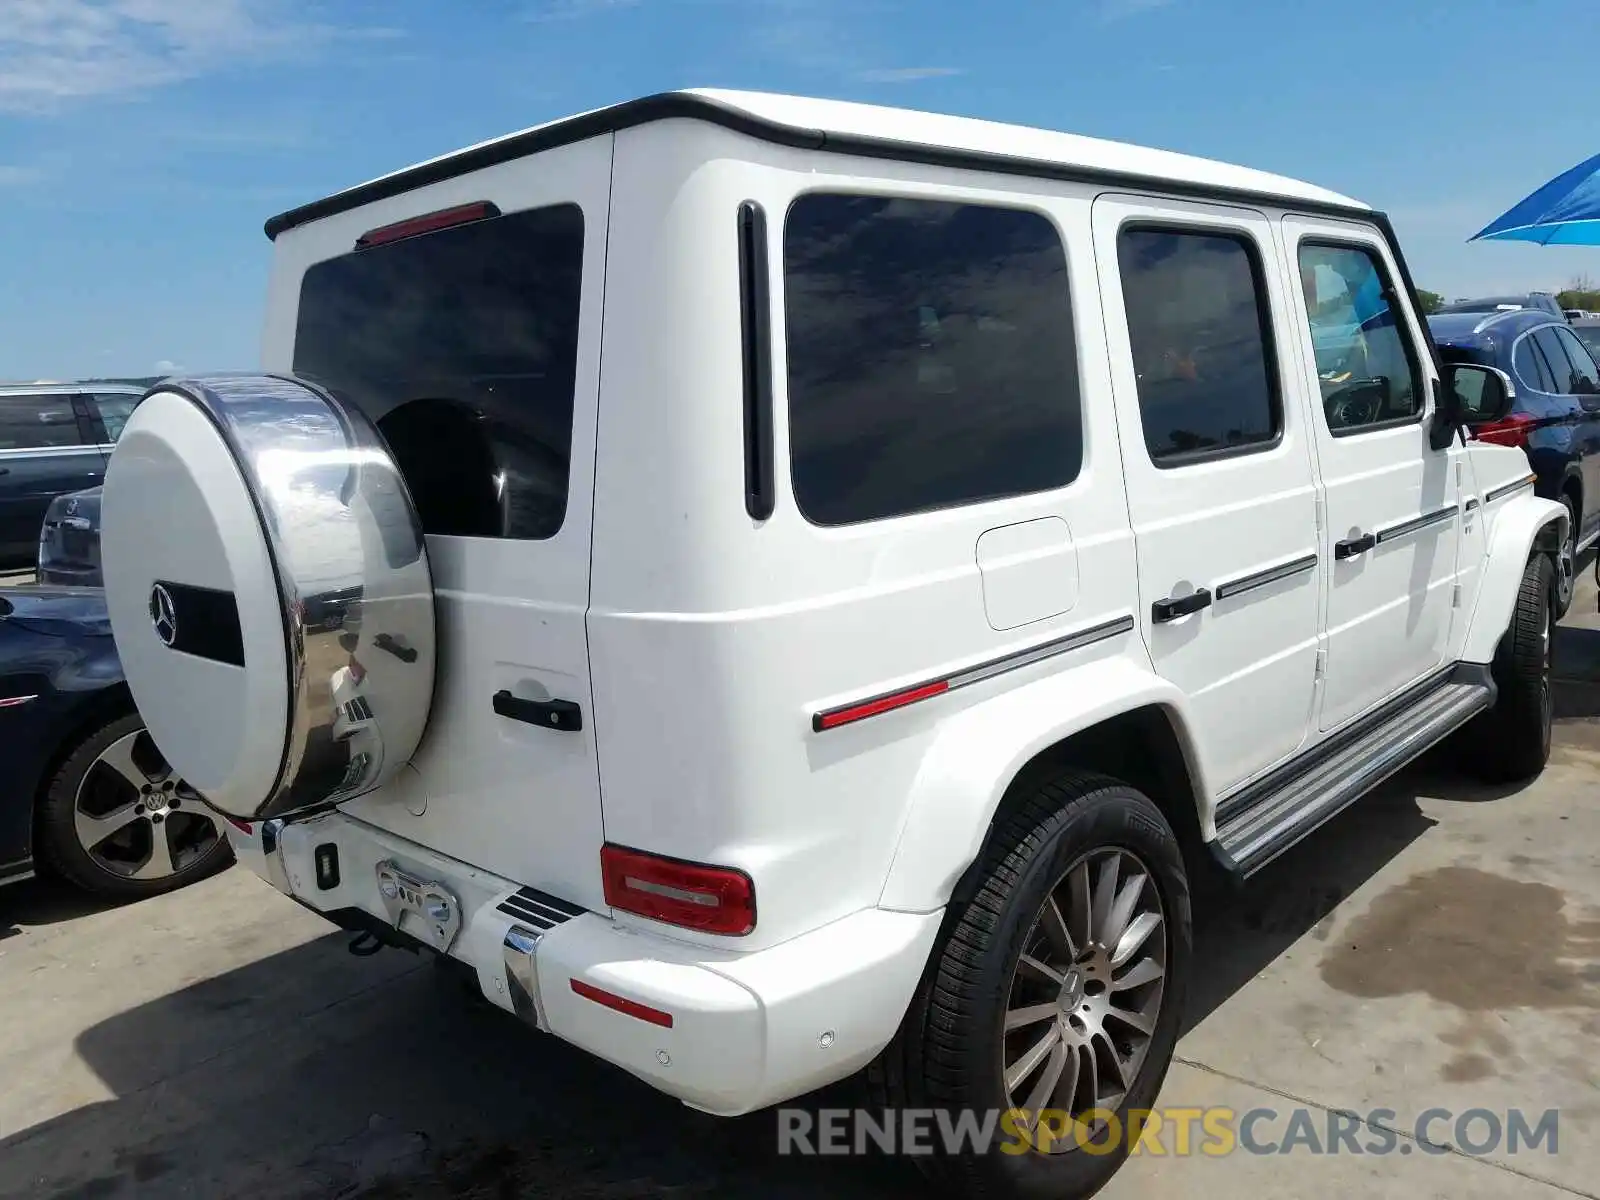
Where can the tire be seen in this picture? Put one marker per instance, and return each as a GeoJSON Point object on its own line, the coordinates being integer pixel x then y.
{"type": "Point", "coordinates": [99, 830]}
{"type": "Point", "coordinates": [953, 1049]}
{"type": "Point", "coordinates": [1511, 741]}
{"type": "Point", "coordinates": [1566, 565]}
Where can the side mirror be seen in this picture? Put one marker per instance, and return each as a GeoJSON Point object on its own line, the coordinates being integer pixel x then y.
{"type": "Point", "coordinates": [1479, 394]}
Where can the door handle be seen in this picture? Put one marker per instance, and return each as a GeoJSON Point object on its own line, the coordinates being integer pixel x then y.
{"type": "Point", "coordinates": [1172, 608]}
{"type": "Point", "coordinates": [551, 714]}
{"type": "Point", "coordinates": [1350, 547]}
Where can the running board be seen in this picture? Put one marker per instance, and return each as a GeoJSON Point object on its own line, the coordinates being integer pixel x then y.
{"type": "Point", "coordinates": [1259, 823]}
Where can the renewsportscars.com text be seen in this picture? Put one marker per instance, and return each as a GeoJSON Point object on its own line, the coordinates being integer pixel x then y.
{"type": "Point", "coordinates": [1176, 1131]}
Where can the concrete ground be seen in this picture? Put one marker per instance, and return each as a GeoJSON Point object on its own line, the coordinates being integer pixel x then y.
{"type": "Point", "coordinates": [1438, 946]}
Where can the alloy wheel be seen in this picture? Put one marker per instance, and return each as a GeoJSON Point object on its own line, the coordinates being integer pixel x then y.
{"type": "Point", "coordinates": [136, 819]}
{"type": "Point", "coordinates": [1567, 562]}
{"type": "Point", "coordinates": [1087, 990]}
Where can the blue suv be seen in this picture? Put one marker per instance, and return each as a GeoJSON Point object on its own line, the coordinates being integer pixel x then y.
{"type": "Point", "coordinates": [1555, 416]}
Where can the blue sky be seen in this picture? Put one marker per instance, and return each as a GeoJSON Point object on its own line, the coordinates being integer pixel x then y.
{"type": "Point", "coordinates": [143, 142]}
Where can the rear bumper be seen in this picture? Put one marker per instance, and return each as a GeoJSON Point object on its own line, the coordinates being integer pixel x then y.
{"type": "Point", "coordinates": [747, 1030]}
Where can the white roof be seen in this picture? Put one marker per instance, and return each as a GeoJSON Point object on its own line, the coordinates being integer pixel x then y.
{"type": "Point", "coordinates": [937, 131]}
{"type": "Point", "coordinates": [934, 132]}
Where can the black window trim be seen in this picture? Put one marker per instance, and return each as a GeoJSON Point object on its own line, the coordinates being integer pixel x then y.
{"type": "Point", "coordinates": [755, 316]}
{"type": "Point", "coordinates": [888, 191]}
{"type": "Point", "coordinates": [1269, 338]}
{"type": "Point", "coordinates": [1413, 360]}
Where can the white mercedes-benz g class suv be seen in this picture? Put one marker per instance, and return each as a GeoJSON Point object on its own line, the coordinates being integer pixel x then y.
{"type": "Point", "coordinates": [779, 587]}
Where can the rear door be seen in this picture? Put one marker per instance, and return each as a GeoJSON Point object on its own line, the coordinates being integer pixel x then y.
{"type": "Point", "coordinates": [43, 453]}
{"type": "Point", "coordinates": [1578, 377]}
{"type": "Point", "coordinates": [475, 347]}
{"type": "Point", "coordinates": [1220, 485]}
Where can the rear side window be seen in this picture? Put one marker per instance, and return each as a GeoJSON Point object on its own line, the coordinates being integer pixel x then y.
{"type": "Point", "coordinates": [1532, 370]}
{"type": "Point", "coordinates": [462, 344]}
{"type": "Point", "coordinates": [113, 409]}
{"type": "Point", "coordinates": [1198, 325]}
{"type": "Point", "coordinates": [931, 356]}
{"type": "Point", "coordinates": [37, 422]}
{"type": "Point", "coordinates": [1568, 379]}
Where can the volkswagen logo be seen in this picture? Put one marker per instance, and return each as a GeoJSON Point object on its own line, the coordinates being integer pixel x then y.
{"type": "Point", "coordinates": [163, 615]}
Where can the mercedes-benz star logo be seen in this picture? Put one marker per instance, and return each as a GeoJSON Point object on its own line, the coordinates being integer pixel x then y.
{"type": "Point", "coordinates": [163, 615]}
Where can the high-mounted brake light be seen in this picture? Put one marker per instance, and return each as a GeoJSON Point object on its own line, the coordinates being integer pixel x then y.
{"type": "Point", "coordinates": [1508, 431]}
{"type": "Point", "coordinates": [445, 218]}
{"type": "Point", "coordinates": [688, 895]}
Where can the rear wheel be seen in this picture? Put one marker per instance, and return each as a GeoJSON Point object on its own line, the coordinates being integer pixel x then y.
{"type": "Point", "coordinates": [116, 820]}
{"type": "Point", "coordinates": [1566, 565]}
{"type": "Point", "coordinates": [1511, 741]}
{"type": "Point", "coordinates": [1055, 995]}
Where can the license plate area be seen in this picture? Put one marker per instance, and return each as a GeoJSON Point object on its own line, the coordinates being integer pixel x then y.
{"type": "Point", "coordinates": [424, 908]}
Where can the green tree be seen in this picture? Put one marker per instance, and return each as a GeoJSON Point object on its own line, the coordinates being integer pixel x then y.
{"type": "Point", "coordinates": [1430, 301]}
{"type": "Point", "coordinates": [1580, 293]}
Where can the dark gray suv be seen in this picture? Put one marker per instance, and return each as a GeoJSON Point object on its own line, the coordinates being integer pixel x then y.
{"type": "Point", "coordinates": [54, 439]}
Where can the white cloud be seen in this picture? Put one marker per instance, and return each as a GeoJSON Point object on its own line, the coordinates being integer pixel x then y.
{"type": "Point", "coordinates": [167, 367]}
{"type": "Point", "coordinates": [57, 50]}
{"type": "Point", "coordinates": [907, 74]}
{"type": "Point", "coordinates": [13, 176]}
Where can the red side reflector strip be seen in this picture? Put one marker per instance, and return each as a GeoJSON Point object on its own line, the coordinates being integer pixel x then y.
{"type": "Point", "coordinates": [836, 717]}
{"type": "Point", "coordinates": [241, 826]}
{"type": "Point", "coordinates": [622, 1004]}
{"type": "Point", "coordinates": [462, 214]}
{"type": "Point", "coordinates": [16, 701]}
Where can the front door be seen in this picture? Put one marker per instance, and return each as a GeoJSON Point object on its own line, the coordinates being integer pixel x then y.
{"type": "Point", "coordinates": [1218, 468]}
{"type": "Point", "coordinates": [1392, 525]}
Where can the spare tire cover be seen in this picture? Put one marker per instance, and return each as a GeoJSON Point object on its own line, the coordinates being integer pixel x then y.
{"type": "Point", "coordinates": [269, 592]}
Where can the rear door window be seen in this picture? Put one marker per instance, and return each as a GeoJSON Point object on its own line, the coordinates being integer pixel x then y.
{"type": "Point", "coordinates": [1197, 321]}
{"type": "Point", "coordinates": [462, 344]}
{"type": "Point", "coordinates": [931, 356]}
{"type": "Point", "coordinates": [38, 423]}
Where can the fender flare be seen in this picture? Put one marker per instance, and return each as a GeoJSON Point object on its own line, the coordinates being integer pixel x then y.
{"type": "Point", "coordinates": [978, 753]}
{"type": "Point", "coordinates": [1518, 529]}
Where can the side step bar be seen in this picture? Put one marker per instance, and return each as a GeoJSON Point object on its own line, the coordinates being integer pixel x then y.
{"type": "Point", "coordinates": [1263, 820]}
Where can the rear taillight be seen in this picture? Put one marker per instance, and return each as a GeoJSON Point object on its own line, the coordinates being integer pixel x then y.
{"type": "Point", "coordinates": [1508, 431]}
{"type": "Point", "coordinates": [689, 895]}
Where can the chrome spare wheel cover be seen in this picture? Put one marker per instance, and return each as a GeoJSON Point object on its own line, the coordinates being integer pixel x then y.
{"type": "Point", "coordinates": [269, 592]}
{"type": "Point", "coordinates": [1085, 995]}
{"type": "Point", "coordinates": [135, 819]}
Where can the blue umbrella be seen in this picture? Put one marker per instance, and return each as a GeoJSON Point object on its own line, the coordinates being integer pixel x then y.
{"type": "Point", "coordinates": [1564, 212]}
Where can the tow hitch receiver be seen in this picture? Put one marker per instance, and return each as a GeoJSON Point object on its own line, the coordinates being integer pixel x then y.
{"type": "Point", "coordinates": [434, 911]}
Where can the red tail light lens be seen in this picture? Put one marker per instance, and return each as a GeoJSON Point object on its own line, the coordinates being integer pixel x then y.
{"type": "Point", "coordinates": [1509, 431]}
{"type": "Point", "coordinates": [689, 895]}
{"type": "Point", "coordinates": [428, 223]}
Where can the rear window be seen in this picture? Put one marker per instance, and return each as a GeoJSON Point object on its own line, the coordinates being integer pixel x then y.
{"type": "Point", "coordinates": [931, 356]}
{"type": "Point", "coordinates": [463, 345]}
